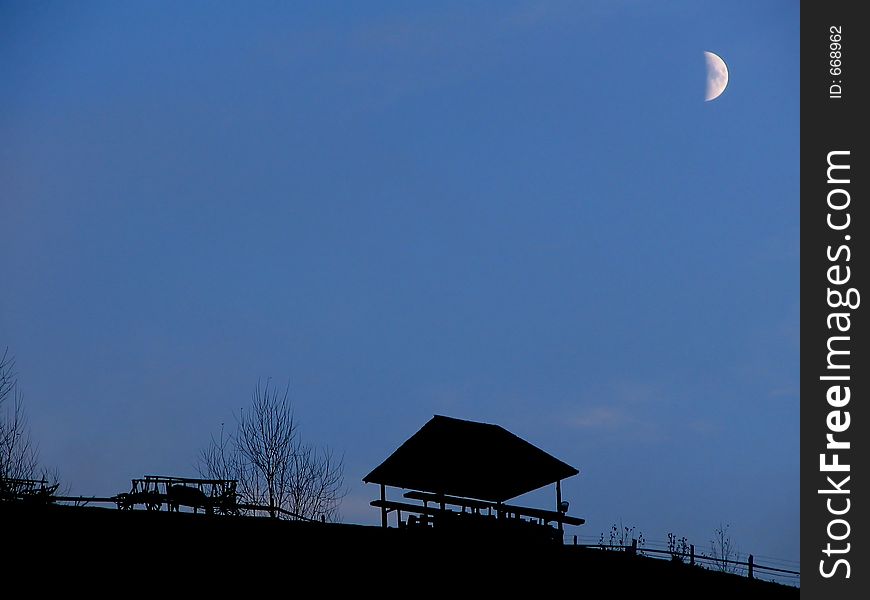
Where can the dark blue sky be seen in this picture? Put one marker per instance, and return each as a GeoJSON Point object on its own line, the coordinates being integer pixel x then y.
{"type": "Point", "coordinates": [521, 213]}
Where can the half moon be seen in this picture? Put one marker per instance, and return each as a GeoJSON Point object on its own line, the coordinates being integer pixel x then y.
{"type": "Point", "coordinates": [717, 76]}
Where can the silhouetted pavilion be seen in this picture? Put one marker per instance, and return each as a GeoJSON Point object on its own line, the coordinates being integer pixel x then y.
{"type": "Point", "coordinates": [476, 466]}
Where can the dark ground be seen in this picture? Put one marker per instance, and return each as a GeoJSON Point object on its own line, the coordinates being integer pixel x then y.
{"type": "Point", "coordinates": [66, 549]}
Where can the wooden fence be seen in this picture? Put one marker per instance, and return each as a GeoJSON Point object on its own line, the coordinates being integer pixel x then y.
{"type": "Point", "coordinates": [693, 559]}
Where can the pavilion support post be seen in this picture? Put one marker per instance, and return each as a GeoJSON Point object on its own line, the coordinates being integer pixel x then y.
{"type": "Point", "coordinates": [559, 509]}
{"type": "Point", "coordinates": [383, 508]}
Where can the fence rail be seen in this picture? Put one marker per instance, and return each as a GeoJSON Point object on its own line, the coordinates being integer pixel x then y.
{"type": "Point", "coordinates": [750, 564]}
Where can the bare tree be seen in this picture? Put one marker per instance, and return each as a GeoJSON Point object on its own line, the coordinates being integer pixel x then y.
{"type": "Point", "coordinates": [266, 439]}
{"type": "Point", "coordinates": [316, 482]}
{"type": "Point", "coordinates": [274, 468]}
{"type": "Point", "coordinates": [723, 550]}
{"type": "Point", "coordinates": [19, 457]}
{"type": "Point", "coordinates": [7, 375]}
{"type": "Point", "coordinates": [220, 460]}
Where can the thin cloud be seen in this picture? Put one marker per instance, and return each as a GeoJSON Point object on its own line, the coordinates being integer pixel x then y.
{"type": "Point", "coordinates": [601, 417]}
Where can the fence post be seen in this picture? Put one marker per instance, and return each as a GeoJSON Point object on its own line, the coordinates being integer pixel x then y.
{"type": "Point", "coordinates": [575, 539]}
{"type": "Point", "coordinates": [633, 549]}
{"type": "Point", "coordinates": [749, 564]}
{"type": "Point", "coordinates": [692, 554]}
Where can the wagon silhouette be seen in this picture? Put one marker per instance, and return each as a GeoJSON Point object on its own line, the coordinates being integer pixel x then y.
{"type": "Point", "coordinates": [212, 496]}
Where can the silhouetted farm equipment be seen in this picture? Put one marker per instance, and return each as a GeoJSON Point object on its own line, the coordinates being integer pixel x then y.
{"type": "Point", "coordinates": [37, 491]}
{"type": "Point", "coordinates": [154, 491]}
{"type": "Point", "coordinates": [151, 493]}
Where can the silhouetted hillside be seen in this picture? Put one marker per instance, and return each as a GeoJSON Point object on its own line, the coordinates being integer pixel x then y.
{"type": "Point", "coordinates": [137, 547]}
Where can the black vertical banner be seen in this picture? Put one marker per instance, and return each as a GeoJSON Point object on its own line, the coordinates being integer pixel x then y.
{"type": "Point", "coordinates": [835, 373]}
